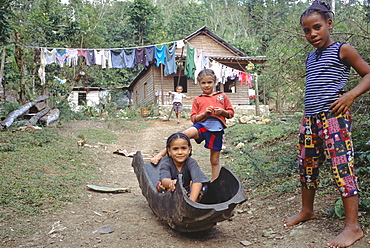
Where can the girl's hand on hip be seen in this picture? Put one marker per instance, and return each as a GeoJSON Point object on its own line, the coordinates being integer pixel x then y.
{"type": "Point", "coordinates": [342, 105]}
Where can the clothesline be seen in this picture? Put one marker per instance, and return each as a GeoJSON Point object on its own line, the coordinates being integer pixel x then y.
{"type": "Point", "coordinates": [130, 57]}
{"type": "Point", "coordinates": [117, 48]}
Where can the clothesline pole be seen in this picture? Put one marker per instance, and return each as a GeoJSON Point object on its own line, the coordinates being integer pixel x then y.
{"type": "Point", "coordinates": [257, 102]}
{"type": "Point", "coordinates": [180, 67]}
{"type": "Point", "coordinates": [162, 95]}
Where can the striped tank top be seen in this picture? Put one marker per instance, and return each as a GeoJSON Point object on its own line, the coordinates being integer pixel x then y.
{"type": "Point", "coordinates": [326, 75]}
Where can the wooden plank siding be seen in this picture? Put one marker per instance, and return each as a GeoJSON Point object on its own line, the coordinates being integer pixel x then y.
{"type": "Point", "coordinates": [146, 87]}
{"type": "Point", "coordinates": [209, 46]}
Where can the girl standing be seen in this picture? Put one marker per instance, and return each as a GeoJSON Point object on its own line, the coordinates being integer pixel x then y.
{"type": "Point", "coordinates": [178, 161]}
{"type": "Point", "coordinates": [326, 128]}
{"type": "Point", "coordinates": [209, 113]}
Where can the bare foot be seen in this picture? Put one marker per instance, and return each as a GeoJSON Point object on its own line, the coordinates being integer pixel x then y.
{"type": "Point", "coordinates": [154, 160]}
{"type": "Point", "coordinates": [301, 216]}
{"type": "Point", "coordinates": [347, 237]}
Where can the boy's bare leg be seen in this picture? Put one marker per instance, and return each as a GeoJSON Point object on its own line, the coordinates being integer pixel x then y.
{"type": "Point", "coordinates": [215, 163]}
{"type": "Point", "coordinates": [352, 229]}
{"type": "Point", "coordinates": [307, 213]}
{"type": "Point", "coordinates": [191, 132]}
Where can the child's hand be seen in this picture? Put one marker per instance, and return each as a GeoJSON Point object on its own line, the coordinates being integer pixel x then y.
{"type": "Point", "coordinates": [172, 185]}
{"type": "Point", "coordinates": [341, 106]}
{"type": "Point", "coordinates": [209, 110]}
{"type": "Point", "coordinates": [219, 111]}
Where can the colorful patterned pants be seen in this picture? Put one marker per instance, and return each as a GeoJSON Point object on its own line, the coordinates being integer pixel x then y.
{"type": "Point", "coordinates": [327, 137]}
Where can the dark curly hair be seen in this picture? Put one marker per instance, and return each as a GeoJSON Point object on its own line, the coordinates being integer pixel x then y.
{"type": "Point", "coordinates": [322, 8]}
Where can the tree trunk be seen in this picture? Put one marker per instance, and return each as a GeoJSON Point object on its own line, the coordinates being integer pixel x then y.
{"type": "Point", "coordinates": [50, 117]}
{"type": "Point", "coordinates": [23, 109]}
{"type": "Point", "coordinates": [19, 58]}
{"type": "Point", "coordinates": [2, 88]}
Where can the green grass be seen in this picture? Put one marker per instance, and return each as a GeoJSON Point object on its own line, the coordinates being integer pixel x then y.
{"type": "Point", "coordinates": [40, 172]}
{"type": "Point", "coordinates": [268, 154]}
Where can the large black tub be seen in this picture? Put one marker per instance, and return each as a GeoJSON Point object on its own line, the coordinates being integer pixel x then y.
{"type": "Point", "coordinates": [181, 213]}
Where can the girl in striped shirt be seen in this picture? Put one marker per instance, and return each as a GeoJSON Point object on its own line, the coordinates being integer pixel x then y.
{"type": "Point", "coordinates": [325, 133]}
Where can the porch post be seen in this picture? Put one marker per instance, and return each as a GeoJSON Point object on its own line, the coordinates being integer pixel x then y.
{"type": "Point", "coordinates": [257, 101]}
{"type": "Point", "coordinates": [162, 94]}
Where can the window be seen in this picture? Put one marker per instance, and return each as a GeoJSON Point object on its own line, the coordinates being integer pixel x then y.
{"type": "Point", "coordinates": [81, 98]}
{"type": "Point", "coordinates": [183, 82]}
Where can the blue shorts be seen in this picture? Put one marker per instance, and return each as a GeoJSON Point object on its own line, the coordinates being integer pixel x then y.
{"type": "Point", "coordinates": [213, 139]}
{"type": "Point", "coordinates": [327, 137]}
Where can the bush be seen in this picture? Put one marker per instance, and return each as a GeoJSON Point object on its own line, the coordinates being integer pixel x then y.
{"type": "Point", "coordinates": [8, 107]}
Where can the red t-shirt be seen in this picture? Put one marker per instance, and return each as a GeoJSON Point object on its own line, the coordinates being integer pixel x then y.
{"type": "Point", "coordinates": [218, 99]}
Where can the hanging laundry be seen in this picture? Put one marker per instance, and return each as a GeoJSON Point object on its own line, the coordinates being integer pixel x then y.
{"type": "Point", "coordinates": [81, 53]}
{"type": "Point", "coordinates": [140, 56]}
{"type": "Point", "coordinates": [189, 62]}
{"type": "Point", "coordinates": [201, 62]}
{"type": "Point", "coordinates": [149, 55]}
{"type": "Point", "coordinates": [242, 77]}
{"type": "Point", "coordinates": [107, 59]}
{"type": "Point", "coordinates": [117, 59]}
{"type": "Point", "coordinates": [170, 61]}
{"type": "Point", "coordinates": [90, 57]}
{"type": "Point", "coordinates": [129, 58]}
{"type": "Point", "coordinates": [42, 67]}
{"type": "Point", "coordinates": [61, 57]}
{"type": "Point", "coordinates": [99, 54]}
{"type": "Point", "coordinates": [249, 81]}
{"type": "Point", "coordinates": [72, 58]}
{"type": "Point", "coordinates": [216, 67]}
{"type": "Point", "coordinates": [160, 55]}
{"type": "Point", "coordinates": [49, 56]}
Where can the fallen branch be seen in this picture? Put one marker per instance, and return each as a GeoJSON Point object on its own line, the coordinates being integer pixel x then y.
{"type": "Point", "coordinates": [50, 117]}
{"type": "Point", "coordinates": [35, 118]}
{"type": "Point", "coordinates": [23, 109]}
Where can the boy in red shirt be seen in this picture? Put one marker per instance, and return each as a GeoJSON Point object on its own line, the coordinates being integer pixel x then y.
{"type": "Point", "coordinates": [209, 113]}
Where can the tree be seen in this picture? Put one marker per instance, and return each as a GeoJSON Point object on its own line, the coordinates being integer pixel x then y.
{"type": "Point", "coordinates": [5, 28]}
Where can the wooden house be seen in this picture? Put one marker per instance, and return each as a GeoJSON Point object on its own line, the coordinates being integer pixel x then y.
{"type": "Point", "coordinates": [147, 87]}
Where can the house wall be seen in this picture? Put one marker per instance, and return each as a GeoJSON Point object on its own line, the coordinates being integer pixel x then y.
{"type": "Point", "coordinates": [143, 90]}
{"type": "Point", "coordinates": [93, 98]}
{"type": "Point", "coordinates": [154, 85]}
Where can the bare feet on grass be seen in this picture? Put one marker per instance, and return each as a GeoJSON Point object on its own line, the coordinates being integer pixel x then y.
{"type": "Point", "coordinates": [300, 217]}
{"type": "Point", "coordinates": [347, 237]}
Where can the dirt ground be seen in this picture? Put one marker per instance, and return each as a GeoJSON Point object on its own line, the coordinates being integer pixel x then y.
{"type": "Point", "coordinates": [125, 219]}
